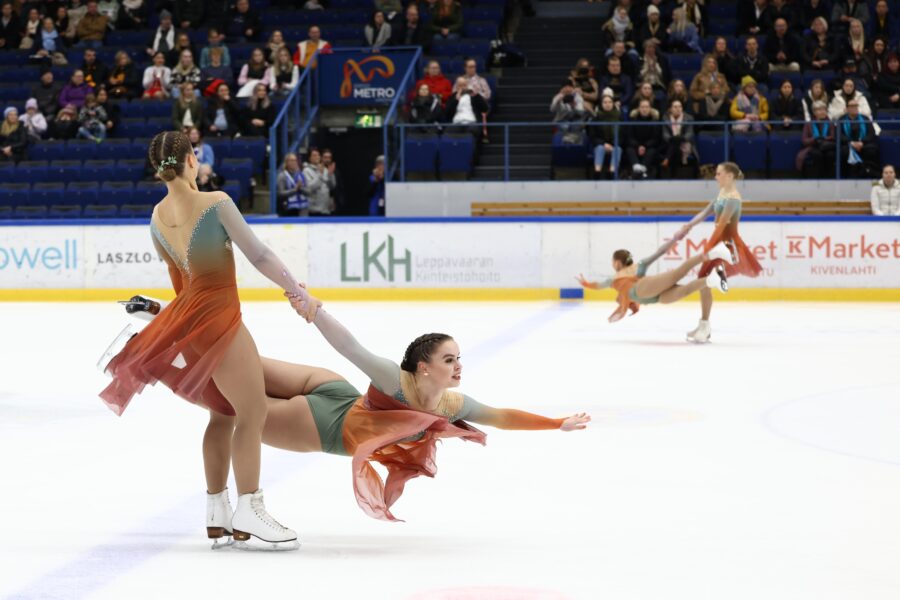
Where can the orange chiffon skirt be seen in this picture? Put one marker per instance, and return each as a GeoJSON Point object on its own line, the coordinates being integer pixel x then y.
{"type": "Point", "coordinates": [379, 428]}
{"type": "Point", "coordinates": [746, 264]}
{"type": "Point", "coordinates": [183, 346]}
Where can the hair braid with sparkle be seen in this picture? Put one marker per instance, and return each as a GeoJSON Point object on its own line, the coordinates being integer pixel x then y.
{"type": "Point", "coordinates": [167, 154]}
{"type": "Point", "coordinates": [421, 349]}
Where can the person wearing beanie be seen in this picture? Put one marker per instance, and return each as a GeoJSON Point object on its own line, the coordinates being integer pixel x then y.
{"type": "Point", "coordinates": [13, 139]}
{"type": "Point", "coordinates": [163, 38]}
{"type": "Point", "coordinates": [749, 108]}
{"type": "Point", "coordinates": [34, 122]}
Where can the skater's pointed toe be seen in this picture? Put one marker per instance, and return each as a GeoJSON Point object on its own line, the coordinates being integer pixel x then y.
{"type": "Point", "coordinates": [721, 251]}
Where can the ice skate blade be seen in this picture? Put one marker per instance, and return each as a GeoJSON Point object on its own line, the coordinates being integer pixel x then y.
{"type": "Point", "coordinates": [257, 545]}
{"type": "Point", "coordinates": [223, 543]}
{"type": "Point", "coordinates": [699, 342]}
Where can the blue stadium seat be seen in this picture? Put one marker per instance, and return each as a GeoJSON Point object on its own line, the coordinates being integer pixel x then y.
{"type": "Point", "coordinates": [19, 75]}
{"type": "Point", "coordinates": [889, 145]}
{"type": "Point", "coordinates": [113, 149]}
{"type": "Point", "coordinates": [48, 150]}
{"type": "Point", "coordinates": [685, 62]}
{"type": "Point", "coordinates": [29, 171]}
{"type": "Point", "coordinates": [221, 147]}
{"type": "Point", "coordinates": [81, 149]}
{"type": "Point", "coordinates": [13, 92]}
{"type": "Point", "coordinates": [783, 149]}
{"type": "Point", "coordinates": [147, 193]}
{"type": "Point", "coordinates": [130, 169]}
{"type": "Point", "coordinates": [136, 211]}
{"type": "Point", "coordinates": [158, 125]}
{"type": "Point", "coordinates": [455, 153]}
{"type": "Point", "coordinates": [568, 155]}
{"type": "Point", "coordinates": [725, 27]}
{"type": "Point", "coordinates": [233, 189]}
{"type": "Point", "coordinates": [63, 171]}
{"type": "Point", "coordinates": [47, 194]}
{"type": "Point", "coordinates": [115, 193]}
{"type": "Point", "coordinates": [493, 14]}
{"type": "Point", "coordinates": [82, 193]}
{"type": "Point", "coordinates": [100, 211]}
{"type": "Point", "coordinates": [480, 30]}
{"type": "Point", "coordinates": [15, 194]}
{"type": "Point", "coordinates": [6, 212]}
{"type": "Point", "coordinates": [131, 127]}
{"type": "Point", "coordinates": [68, 207]}
{"type": "Point", "coordinates": [884, 118]}
{"type": "Point", "coordinates": [420, 154]}
{"type": "Point", "coordinates": [446, 48]}
{"type": "Point", "coordinates": [711, 147]}
{"type": "Point", "coordinates": [98, 170]}
{"type": "Point", "coordinates": [239, 169]}
{"type": "Point", "coordinates": [253, 148]}
{"type": "Point", "coordinates": [476, 48]}
{"type": "Point", "coordinates": [153, 109]}
{"type": "Point", "coordinates": [30, 212]}
{"type": "Point", "coordinates": [750, 151]}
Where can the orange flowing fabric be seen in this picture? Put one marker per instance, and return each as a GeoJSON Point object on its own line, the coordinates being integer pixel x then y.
{"type": "Point", "coordinates": [382, 429]}
{"type": "Point", "coordinates": [746, 261]}
{"type": "Point", "coordinates": [623, 285]}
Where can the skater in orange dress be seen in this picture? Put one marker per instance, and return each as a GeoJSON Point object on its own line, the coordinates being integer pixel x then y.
{"type": "Point", "coordinates": [198, 345]}
{"type": "Point", "coordinates": [727, 208]}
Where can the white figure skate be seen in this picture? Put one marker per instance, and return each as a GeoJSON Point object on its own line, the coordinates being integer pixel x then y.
{"type": "Point", "coordinates": [252, 520]}
{"type": "Point", "coordinates": [701, 334]}
{"type": "Point", "coordinates": [218, 519]}
{"type": "Point", "coordinates": [717, 280]}
{"type": "Point", "coordinates": [721, 251]}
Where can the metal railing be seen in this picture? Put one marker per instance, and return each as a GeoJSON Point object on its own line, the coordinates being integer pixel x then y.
{"type": "Point", "coordinates": [723, 130]}
{"type": "Point", "coordinates": [392, 142]}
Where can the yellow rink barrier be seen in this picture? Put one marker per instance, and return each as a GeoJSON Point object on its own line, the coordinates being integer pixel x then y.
{"type": "Point", "coordinates": [459, 294]}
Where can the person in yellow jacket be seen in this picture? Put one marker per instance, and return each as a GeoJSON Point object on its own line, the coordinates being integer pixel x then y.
{"type": "Point", "coordinates": [749, 108]}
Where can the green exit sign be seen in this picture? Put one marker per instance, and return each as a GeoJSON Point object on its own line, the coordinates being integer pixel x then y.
{"type": "Point", "coordinates": [370, 120]}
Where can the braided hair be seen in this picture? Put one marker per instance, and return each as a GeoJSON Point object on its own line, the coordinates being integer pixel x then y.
{"type": "Point", "coordinates": [624, 257]}
{"type": "Point", "coordinates": [167, 154]}
{"type": "Point", "coordinates": [421, 349]}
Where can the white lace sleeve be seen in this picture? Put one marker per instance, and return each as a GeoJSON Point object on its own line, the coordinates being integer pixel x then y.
{"type": "Point", "coordinates": [259, 255]}
{"type": "Point", "coordinates": [383, 372]}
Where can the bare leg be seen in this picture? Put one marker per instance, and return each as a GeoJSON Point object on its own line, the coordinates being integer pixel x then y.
{"type": "Point", "coordinates": [286, 380]}
{"type": "Point", "coordinates": [706, 302]}
{"type": "Point", "coordinates": [240, 378]}
{"type": "Point", "coordinates": [676, 293]}
{"type": "Point", "coordinates": [290, 426]}
{"type": "Point", "coordinates": [654, 285]}
{"type": "Point", "coordinates": [217, 451]}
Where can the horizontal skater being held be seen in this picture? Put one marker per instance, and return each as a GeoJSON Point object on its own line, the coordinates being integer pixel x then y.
{"type": "Point", "coordinates": [635, 287]}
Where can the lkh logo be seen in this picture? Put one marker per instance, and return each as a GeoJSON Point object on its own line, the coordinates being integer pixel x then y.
{"type": "Point", "coordinates": [364, 72]}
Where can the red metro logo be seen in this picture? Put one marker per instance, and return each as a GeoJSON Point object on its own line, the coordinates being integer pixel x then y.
{"type": "Point", "coordinates": [364, 72]}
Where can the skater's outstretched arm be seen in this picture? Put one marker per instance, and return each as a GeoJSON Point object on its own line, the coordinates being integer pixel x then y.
{"type": "Point", "coordinates": [605, 282]}
{"type": "Point", "coordinates": [661, 251]}
{"type": "Point", "coordinates": [698, 218]}
{"type": "Point", "coordinates": [509, 418]}
{"type": "Point", "coordinates": [383, 372]}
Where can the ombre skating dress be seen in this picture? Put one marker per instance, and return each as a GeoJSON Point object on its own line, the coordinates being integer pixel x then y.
{"type": "Point", "coordinates": [727, 231]}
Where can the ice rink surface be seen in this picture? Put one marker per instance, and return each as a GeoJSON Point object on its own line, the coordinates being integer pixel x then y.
{"type": "Point", "coordinates": [765, 465]}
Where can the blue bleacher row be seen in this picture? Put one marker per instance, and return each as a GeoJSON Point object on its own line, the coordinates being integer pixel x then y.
{"type": "Point", "coordinates": [449, 153]}
{"type": "Point", "coordinates": [89, 199]}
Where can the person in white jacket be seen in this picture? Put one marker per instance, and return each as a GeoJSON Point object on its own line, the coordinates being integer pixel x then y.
{"type": "Point", "coordinates": [34, 122]}
{"type": "Point", "coordinates": [886, 194]}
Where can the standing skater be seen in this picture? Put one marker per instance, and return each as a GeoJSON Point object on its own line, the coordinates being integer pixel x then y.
{"type": "Point", "coordinates": [727, 208]}
{"type": "Point", "coordinates": [198, 346]}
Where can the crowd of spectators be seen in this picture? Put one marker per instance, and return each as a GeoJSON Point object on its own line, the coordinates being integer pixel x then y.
{"type": "Point", "coordinates": [461, 106]}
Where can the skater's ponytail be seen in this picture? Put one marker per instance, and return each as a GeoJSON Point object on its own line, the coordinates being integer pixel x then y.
{"type": "Point", "coordinates": [421, 350]}
{"type": "Point", "coordinates": [624, 257]}
{"type": "Point", "coordinates": [732, 168]}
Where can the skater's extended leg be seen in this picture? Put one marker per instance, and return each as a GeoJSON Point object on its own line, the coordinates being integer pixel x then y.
{"type": "Point", "coordinates": [678, 292]}
{"type": "Point", "coordinates": [654, 285]}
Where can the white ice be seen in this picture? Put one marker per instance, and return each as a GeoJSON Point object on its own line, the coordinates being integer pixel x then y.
{"type": "Point", "coordinates": [765, 465]}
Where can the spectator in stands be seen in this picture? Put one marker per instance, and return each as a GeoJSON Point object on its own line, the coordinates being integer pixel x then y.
{"type": "Point", "coordinates": [681, 158]}
{"type": "Point", "coordinates": [426, 108]}
{"type": "Point", "coordinates": [47, 93]}
{"type": "Point", "coordinates": [132, 15]}
{"type": "Point", "coordinates": [284, 73]}
{"type": "Point", "coordinates": [30, 28]}
{"type": "Point", "coordinates": [203, 152]}
{"type": "Point", "coordinates": [782, 9]}
{"type": "Point", "coordinates": [813, 9]}
{"type": "Point", "coordinates": [290, 189]}
{"type": "Point", "coordinates": [715, 107]}
{"type": "Point", "coordinates": [703, 81]}
{"type": "Point", "coordinates": [652, 29]}
{"type": "Point", "coordinates": [845, 11]}
{"type": "Point", "coordinates": [189, 13]}
{"type": "Point", "coordinates": [10, 28]}
{"type": "Point", "coordinates": [222, 114]}
{"type": "Point", "coordinates": [782, 49]}
{"type": "Point", "coordinates": [337, 191]}
{"type": "Point", "coordinates": [412, 32]}
{"type": "Point", "coordinates": [377, 31]}
{"type": "Point", "coordinates": [619, 84]}
{"type": "Point", "coordinates": [61, 23]}
{"type": "Point", "coordinates": [693, 11]}
{"type": "Point", "coordinates": [568, 109]}
{"type": "Point", "coordinates": [185, 72]}
{"type": "Point", "coordinates": [48, 46]}
{"type": "Point", "coordinates": [92, 120]}
{"type": "Point", "coordinates": [75, 13]}
{"type": "Point", "coordinates": [207, 179]}
{"type": "Point", "coordinates": [677, 91]}
{"type": "Point", "coordinates": [645, 92]}
{"type": "Point", "coordinates": [447, 21]}
{"type": "Point", "coordinates": [319, 184]}
{"type": "Point", "coordinates": [243, 23]}
{"type": "Point", "coordinates": [75, 91]}
{"type": "Point", "coordinates": [627, 58]}
{"type": "Point", "coordinates": [469, 108]}
{"type": "Point", "coordinates": [92, 27]}
{"type": "Point", "coordinates": [876, 58]}
{"type": "Point", "coordinates": [881, 24]}
{"type": "Point", "coordinates": [123, 82]}
{"type": "Point", "coordinates": [859, 146]}
{"type": "Point", "coordinates": [157, 78]}
{"type": "Point", "coordinates": [683, 36]}
{"type": "Point", "coordinates": [65, 125]}
{"type": "Point", "coordinates": [820, 51]}
{"type": "Point", "coordinates": [254, 72]}
{"type": "Point", "coordinates": [816, 159]}
{"type": "Point", "coordinates": [885, 196]}
{"type": "Point", "coordinates": [310, 46]}
{"type": "Point", "coordinates": [643, 143]}
{"type": "Point", "coordinates": [33, 121]}
{"type": "Point", "coordinates": [112, 110]}
{"type": "Point", "coordinates": [95, 72]}
{"type": "Point", "coordinates": [887, 88]}
{"type": "Point", "coordinates": [187, 110]}
{"type": "Point", "coordinates": [217, 13]}
{"type": "Point", "coordinates": [436, 82]}
{"type": "Point", "coordinates": [215, 42]}
{"type": "Point", "coordinates": [725, 60]}
{"type": "Point", "coordinates": [13, 137]}
{"type": "Point", "coordinates": [581, 78]}
{"type": "Point", "coordinates": [817, 92]}
{"type": "Point", "coordinates": [751, 63]}
{"type": "Point", "coordinates": [855, 43]}
{"type": "Point", "coordinates": [182, 43]}
{"type": "Point", "coordinates": [476, 82]}
{"type": "Point", "coordinates": [274, 46]}
{"type": "Point", "coordinates": [787, 108]}
{"type": "Point", "coordinates": [849, 70]}
{"type": "Point", "coordinates": [376, 188]}
{"type": "Point", "coordinates": [163, 38]}
{"type": "Point", "coordinates": [604, 136]}
{"type": "Point", "coordinates": [215, 73]}
{"type": "Point", "coordinates": [259, 113]}
{"type": "Point", "coordinates": [618, 29]}
{"type": "Point", "coordinates": [390, 8]}
{"type": "Point", "coordinates": [749, 108]}
{"type": "Point", "coordinates": [654, 67]}
{"type": "Point", "coordinates": [842, 99]}
{"type": "Point", "coordinates": [753, 17]}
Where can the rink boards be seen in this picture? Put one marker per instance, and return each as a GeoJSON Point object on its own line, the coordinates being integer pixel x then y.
{"type": "Point", "coordinates": [850, 258]}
